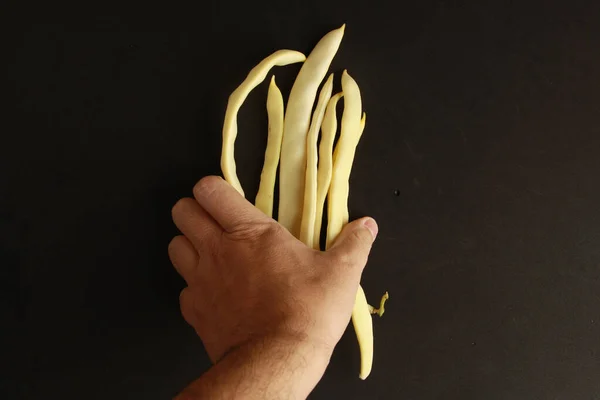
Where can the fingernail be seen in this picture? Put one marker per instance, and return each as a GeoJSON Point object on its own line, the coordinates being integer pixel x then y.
{"type": "Point", "coordinates": [372, 226]}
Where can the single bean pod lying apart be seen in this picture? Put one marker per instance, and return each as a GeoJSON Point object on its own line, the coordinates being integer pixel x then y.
{"type": "Point", "coordinates": [310, 171]}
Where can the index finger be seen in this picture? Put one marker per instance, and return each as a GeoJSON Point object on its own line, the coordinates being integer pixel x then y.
{"type": "Point", "coordinates": [225, 204]}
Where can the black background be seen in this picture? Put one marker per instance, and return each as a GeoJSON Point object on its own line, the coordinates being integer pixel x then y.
{"type": "Point", "coordinates": [480, 161]}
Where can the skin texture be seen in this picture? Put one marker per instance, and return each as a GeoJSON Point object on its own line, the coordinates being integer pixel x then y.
{"type": "Point", "coordinates": [268, 308]}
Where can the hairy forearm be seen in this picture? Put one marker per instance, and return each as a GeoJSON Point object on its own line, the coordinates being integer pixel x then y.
{"type": "Point", "coordinates": [267, 369]}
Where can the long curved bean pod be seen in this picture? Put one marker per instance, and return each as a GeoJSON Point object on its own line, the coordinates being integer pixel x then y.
{"type": "Point", "coordinates": [328, 131]}
{"type": "Point", "coordinates": [264, 197]}
{"type": "Point", "coordinates": [296, 124]}
{"type": "Point", "coordinates": [338, 210]}
{"type": "Point", "coordinates": [236, 99]}
{"type": "Point", "coordinates": [307, 229]}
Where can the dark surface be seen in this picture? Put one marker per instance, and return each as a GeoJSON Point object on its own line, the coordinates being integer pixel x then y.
{"type": "Point", "coordinates": [481, 162]}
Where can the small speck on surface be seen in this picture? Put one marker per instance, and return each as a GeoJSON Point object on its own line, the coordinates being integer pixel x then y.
{"type": "Point", "coordinates": [397, 192]}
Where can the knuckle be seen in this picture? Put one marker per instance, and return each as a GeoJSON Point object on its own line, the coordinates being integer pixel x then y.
{"type": "Point", "coordinates": [172, 248]}
{"type": "Point", "coordinates": [271, 228]}
{"type": "Point", "coordinates": [207, 185]}
{"type": "Point", "coordinates": [183, 301]}
{"type": "Point", "coordinates": [177, 245]}
{"type": "Point", "coordinates": [359, 237]}
{"type": "Point", "coordinates": [211, 251]}
{"type": "Point", "coordinates": [186, 305]}
{"type": "Point", "coordinates": [253, 230]}
{"type": "Point", "coordinates": [341, 258]}
{"type": "Point", "coordinates": [183, 295]}
{"type": "Point", "coordinates": [360, 241]}
{"type": "Point", "coordinates": [271, 232]}
{"type": "Point", "coordinates": [181, 206]}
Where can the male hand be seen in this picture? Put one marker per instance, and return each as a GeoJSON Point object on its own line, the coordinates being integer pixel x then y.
{"type": "Point", "coordinates": [250, 281]}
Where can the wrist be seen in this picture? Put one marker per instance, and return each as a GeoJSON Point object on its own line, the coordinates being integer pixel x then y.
{"type": "Point", "coordinates": [316, 353]}
{"type": "Point", "coordinates": [264, 368]}
{"type": "Point", "coordinates": [297, 362]}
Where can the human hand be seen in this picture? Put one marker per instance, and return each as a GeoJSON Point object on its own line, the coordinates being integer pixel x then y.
{"type": "Point", "coordinates": [250, 280]}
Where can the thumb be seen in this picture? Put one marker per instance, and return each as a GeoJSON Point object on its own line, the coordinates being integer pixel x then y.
{"type": "Point", "coordinates": [353, 244]}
